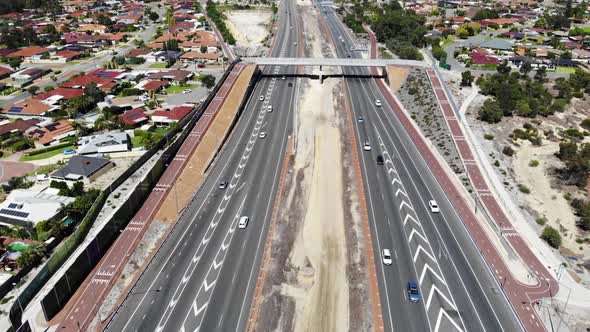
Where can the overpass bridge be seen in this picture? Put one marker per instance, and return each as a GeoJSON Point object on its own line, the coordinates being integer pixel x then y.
{"type": "Point", "coordinates": [338, 62]}
{"type": "Point", "coordinates": [334, 62]}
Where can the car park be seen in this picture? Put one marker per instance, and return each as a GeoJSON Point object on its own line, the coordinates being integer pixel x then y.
{"type": "Point", "coordinates": [243, 222]}
{"type": "Point", "coordinates": [386, 257]}
{"type": "Point", "coordinates": [433, 206]}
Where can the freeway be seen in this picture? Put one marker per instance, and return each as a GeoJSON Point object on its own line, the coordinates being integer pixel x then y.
{"type": "Point", "coordinates": [458, 290]}
{"type": "Point", "coordinates": [203, 276]}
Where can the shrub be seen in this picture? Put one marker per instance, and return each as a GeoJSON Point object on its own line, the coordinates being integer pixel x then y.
{"type": "Point", "coordinates": [523, 189]}
{"type": "Point", "coordinates": [489, 137]}
{"type": "Point", "coordinates": [508, 151]}
{"type": "Point", "coordinates": [533, 163]}
{"type": "Point", "coordinates": [541, 221]}
{"type": "Point", "coordinates": [551, 236]}
{"type": "Point", "coordinates": [497, 163]}
{"type": "Point", "coordinates": [130, 92]}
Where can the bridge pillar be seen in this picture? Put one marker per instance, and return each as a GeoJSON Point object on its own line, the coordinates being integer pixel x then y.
{"type": "Point", "coordinates": [321, 75]}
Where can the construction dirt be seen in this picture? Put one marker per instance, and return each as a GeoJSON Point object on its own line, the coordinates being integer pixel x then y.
{"type": "Point", "coordinates": [316, 278]}
{"type": "Point", "coordinates": [192, 174]}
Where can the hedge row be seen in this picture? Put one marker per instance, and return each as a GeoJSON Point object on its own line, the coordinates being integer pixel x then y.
{"type": "Point", "coordinates": [49, 148]}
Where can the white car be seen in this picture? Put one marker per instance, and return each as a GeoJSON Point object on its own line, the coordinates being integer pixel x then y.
{"type": "Point", "coordinates": [269, 109]}
{"type": "Point", "coordinates": [186, 91]}
{"type": "Point", "coordinates": [386, 256]}
{"type": "Point", "coordinates": [378, 103]}
{"type": "Point", "coordinates": [262, 135]}
{"type": "Point", "coordinates": [261, 98]}
{"type": "Point", "coordinates": [243, 222]}
{"type": "Point", "coordinates": [367, 146]}
{"type": "Point", "coordinates": [433, 206]}
{"type": "Point", "coordinates": [295, 44]}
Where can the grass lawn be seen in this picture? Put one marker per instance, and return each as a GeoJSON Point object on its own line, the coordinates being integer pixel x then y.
{"type": "Point", "coordinates": [46, 169]}
{"type": "Point", "coordinates": [174, 89]}
{"type": "Point", "coordinates": [158, 65]}
{"type": "Point", "coordinates": [5, 153]}
{"type": "Point", "coordinates": [566, 70]}
{"type": "Point", "coordinates": [161, 131]}
{"type": "Point", "coordinates": [47, 154]}
{"type": "Point", "coordinates": [136, 141]}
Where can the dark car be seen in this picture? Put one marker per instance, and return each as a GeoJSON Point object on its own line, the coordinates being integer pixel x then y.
{"type": "Point", "coordinates": [223, 185]}
{"type": "Point", "coordinates": [413, 292]}
{"type": "Point", "coordinates": [379, 160]}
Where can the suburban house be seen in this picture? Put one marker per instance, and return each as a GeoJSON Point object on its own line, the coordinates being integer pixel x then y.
{"type": "Point", "coordinates": [167, 116]}
{"type": "Point", "coordinates": [29, 54]}
{"type": "Point", "coordinates": [202, 57]}
{"type": "Point", "coordinates": [152, 86]}
{"type": "Point", "coordinates": [27, 75]}
{"type": "Point", "coordinates": [51, 132]}
{"type": "Point", "coordinates": [83, 168]}
{"type": "Point", "coordinates": [162, 56]}
{"type": "Point", "coordinates": [498, 46]}
{"type": "Point", "coordinates": [17, 127]}
{"type": "Point", "coordinates": [5, 72]}
{"type": "Point", "coordinates": [54, 96]}
{"type": "Point", "coordinates": [104, 143]}
{"type": "Point", "coordinates": [175, 76]}
{"type": "Point", "coordinates": [92, 28]}
{"type": "Point", "coordinates": [26, 207]}
{"type": "Point", "coordinates": [29, 107]}
{"type": "Point", "coordinates": [134, 117]}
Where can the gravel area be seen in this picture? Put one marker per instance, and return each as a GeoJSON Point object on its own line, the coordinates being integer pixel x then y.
{"type": "Point", "coordinates": [418, 98]}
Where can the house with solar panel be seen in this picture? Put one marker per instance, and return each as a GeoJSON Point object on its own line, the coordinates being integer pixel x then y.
{"type": "Point", "coordinates": [26, 207]}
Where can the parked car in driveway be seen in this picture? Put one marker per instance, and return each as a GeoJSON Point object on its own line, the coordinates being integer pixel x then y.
{"type": "Point", "coordinates": [187, 91]}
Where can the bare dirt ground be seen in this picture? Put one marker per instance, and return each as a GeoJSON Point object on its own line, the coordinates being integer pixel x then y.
{"type": "Point", "coordinates": [548, 197]}
{"type": "Point", "coordinates": [316, 277]}
{"type": "Point", "coordinates": [250, 27]}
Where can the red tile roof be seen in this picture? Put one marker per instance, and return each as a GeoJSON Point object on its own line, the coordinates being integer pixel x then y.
{"type": "Point", "coordinates": [17, 126]}
{"type": "Point", "coordinates": [154, 85]}
{"type": "Point", "coordinates": [28, 51]}
{"type": "Point", "coordinates": [133, 117]}
{"type": "Point", "coordinates": [68, 54]}
{"type": "Point", "coordinates": [175, 114]}
{"type": "Point", "coordinates": [65, 93]}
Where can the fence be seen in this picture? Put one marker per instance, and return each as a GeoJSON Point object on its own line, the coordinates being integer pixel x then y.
{"type": "Point", "coordinates": [82, 267]}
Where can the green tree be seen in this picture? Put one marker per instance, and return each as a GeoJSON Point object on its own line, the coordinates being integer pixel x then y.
{"type": "Point", "coordinates": [466, 78]}
{"type": "Point", "coordinates": [541, 73]}
{"type": "Point", "coordinates": [154, 16]}
{"type": "Point", "coordinates": [525, 68]}
{"type": "Point", "coordinates": [203, 49]}
{"type": "Point", "coordinates": [504, 68]}
{"type": "Point", "coordinates": [33, 89]}
{"type": "Point", "coordinates": [490, 111]}
{"type": "Point", "coordinates": [551, 236]}
{"type": "Point", "coordinates": [439, 54]}
{"type": "Point", "coordinates": [15, 62]}
{"type": "Point", "coordinates": [208, 80]}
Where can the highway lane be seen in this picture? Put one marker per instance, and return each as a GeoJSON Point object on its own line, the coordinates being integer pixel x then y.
{"type": "Point", "coordinates": [195, 279]}
{"type": "Point", "coordinates": [468, 279]}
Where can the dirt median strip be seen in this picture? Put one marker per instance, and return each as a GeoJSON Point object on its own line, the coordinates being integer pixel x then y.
{"type": "Point", "coordinates": [193, 173]}
{"type": "Point", "coordinates": [374, 289]}
{"type": "Point", "coordinates": [260, 281]}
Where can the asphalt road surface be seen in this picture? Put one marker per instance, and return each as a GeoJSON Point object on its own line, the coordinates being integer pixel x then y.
{"type": "Point", "coordinates": [458, 292]}
{"type": "Point", "coordinates": [204, 276]}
